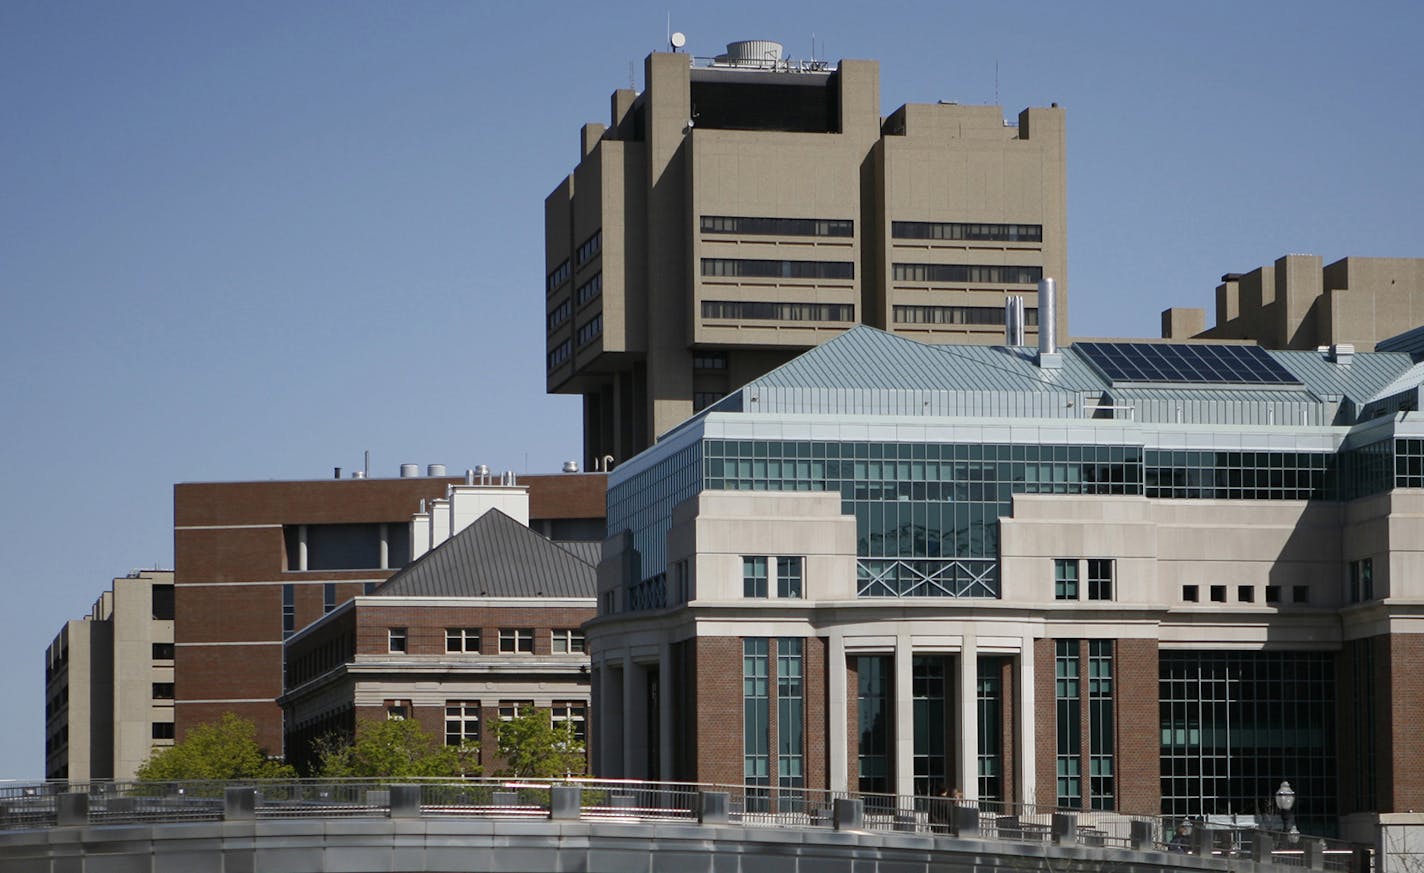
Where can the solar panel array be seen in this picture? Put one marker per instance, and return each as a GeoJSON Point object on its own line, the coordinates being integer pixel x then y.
{"type": "Point", "coordinates": [1186, 363]}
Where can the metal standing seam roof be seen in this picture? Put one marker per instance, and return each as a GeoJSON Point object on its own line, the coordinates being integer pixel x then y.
{"type": "Point", "coordinates": [864, 358]}
{"type": "Point", "coordinates": [495, 556]}
{"type": "Point", "coordinates": [1363, 378]}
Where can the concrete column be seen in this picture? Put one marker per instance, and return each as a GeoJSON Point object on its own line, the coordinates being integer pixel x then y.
{"type": "Point", "coordinates": [1025, 748]}
{"type": "Point", "coordinates": [635, 720]}
{"type": "Point", "coordinates": [838, 697]}
{"type": "Point", "coordinates": [969, 718]}
{"type": "Point", "coordinates": [665, 713]}
{"type": "Point", "coordinates": [610, 726]}
{"type": "Point", "coordinates": [904, 723]}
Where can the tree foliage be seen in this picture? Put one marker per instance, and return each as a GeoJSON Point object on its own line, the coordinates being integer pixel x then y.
{"type": "Point", "coordinates": [225, 750]}
{"type": "Point", "coordinates": [535, 746]}
{"type": "Point", "coordinates": [398, 748]}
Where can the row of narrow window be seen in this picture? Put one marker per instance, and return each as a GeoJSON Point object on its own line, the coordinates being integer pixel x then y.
{"type": "Point", "coordinates": [563, 641]}
{"type": "Point", "coordinates": [751, 310]}
{"type": "Point", "coordinates": [994, 274]}
{"type": "Point", "coordinates": [957, 315]}
{"type": "Point", "coordinates": [758, 268]}
{"type": "Point", "coordinates": [590, 330]}
{"type": "Point", "coordinates": [831, 227]}
{"type": "Point", "coordinates": [462, 717]}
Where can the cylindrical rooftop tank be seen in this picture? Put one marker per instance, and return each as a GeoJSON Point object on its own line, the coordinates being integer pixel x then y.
{"type": "Point", "coordinates": [435, 471]}
{"type": "Point", "coordinates": [754, 53]}
{"type": "Point", "coordinates": [409, 471]}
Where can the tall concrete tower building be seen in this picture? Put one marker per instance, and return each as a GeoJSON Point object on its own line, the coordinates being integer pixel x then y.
{"type": "Point", "coordinates": [742, 209]}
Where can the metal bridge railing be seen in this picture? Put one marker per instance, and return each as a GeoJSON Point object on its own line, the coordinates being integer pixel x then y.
{"type": "Point", "coordinates": [57, 804]}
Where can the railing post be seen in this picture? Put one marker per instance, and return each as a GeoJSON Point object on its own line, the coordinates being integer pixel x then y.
{"type": "Point", "coordinates": [565, 802]}
{"type": "Point", "coordinates": [1261, 847]}
{"type": "Point", "coordinates": [1201, 840]}
{"type": "Point", "coordinates": [712, 807]}
{"type": "Point", "coordinates": [849, 814]}
{"type": "Point", "coordinates": [965, 820]}
{"type": "Point", "coordinates": [1064, 828]}
{"type": "Point", "coordinates": [72, 808]}
{"type": "Point", "coordinates": [1314, 853]}
{"type": "Point", "coordinates": [405, 801]}
{"type": "Point", "coordinates": [1143, 834]}
{"type": "Point", "coordinates": [239, 804]}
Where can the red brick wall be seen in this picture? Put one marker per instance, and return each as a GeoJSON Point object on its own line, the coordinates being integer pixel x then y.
{"type": "Point", "coordinates": [719, 710]}
{"type": "Point", "coordinates": [425, 625]}
{"type": "Point", "coordinates": [246, 613]}
{"type": "Point", "coordinates": [1137, 732]}
{"type": "Point", "coordinates": [1009, 729]}
{"type": "Point", "coordinates": [1045, 724]}
{"type": "Point", "coordinates": [852, 719]}
{"type": "Point", "coordinates": [817, 703]}
{"type": "Point", "coordinates": [266, 716]}
{"type": "Point", "coordinates": [1405, 757]}
{"type": "Point", "coordinates": [226, 672]}
{"type": "Point", "coordinates": [323, 501]}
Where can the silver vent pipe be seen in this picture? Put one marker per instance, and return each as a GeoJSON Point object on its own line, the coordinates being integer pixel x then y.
{"type": "Point", "coordinates": [1048, 356]}
{"type": "Point", "coordinates": [1013, 321]}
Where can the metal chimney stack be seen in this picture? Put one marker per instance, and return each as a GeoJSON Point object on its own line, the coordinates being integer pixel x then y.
{"type": "Point", "coordinates": [1013, 321]}
{"type": "Point", "coordinates": [1048, 355]}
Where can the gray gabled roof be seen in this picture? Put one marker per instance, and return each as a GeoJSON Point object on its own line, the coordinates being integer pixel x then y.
{"type": "Point", "coordinates": [864, 358]}
{"type": "Point", "coordinates": [1366, 374]}
{"type": "Point", "coordinates": [495, 556]}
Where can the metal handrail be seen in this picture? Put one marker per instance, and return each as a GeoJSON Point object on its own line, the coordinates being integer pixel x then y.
{"type": "Point", "coordinates": [38, 805]}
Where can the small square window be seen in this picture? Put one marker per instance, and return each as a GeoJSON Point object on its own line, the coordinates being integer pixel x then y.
{"type": "Point", "coordinates": [396, 639]}
{"type": "Point", "coordinates": [162, 651]}
{"type": "Point", "coordinates": [1218, 594]}
{"type": "Point", "coordinates": [1065, 579]}
{"type": "Point", "coordinates": [398, 710]}
{"type": "Point", "coordinates": [1300, 593]}
{"type": "Point", "coordinates": [462, 639]}
{"type": "Point", "coordinates": [788, 577]}
{"type": "Point", "coordinates": [1273, 594]}
{"type": "Point", "coordinates": [1190, 593]}
{"type": "Point", "coordinates": [516, 640]}
{"type": "Point", "coordinates": [511, 709]}
{"type": "Point", "coordinates": [1245, 594]}
{"type": "Point", "coordinates": [163, 730]}
{"type": "Point", "coordinates": [567, 641]}
{"type": "Point", "coordinates": [1100, 579]}
{"type": "Point", "coordinates": [163, 691]}
{"type": "Point", "coordinates": [754, 576]}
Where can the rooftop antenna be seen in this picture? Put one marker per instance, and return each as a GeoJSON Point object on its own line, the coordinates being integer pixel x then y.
{"type": "Point", "coordinates": [632, 83]}
{"type": "Point", "coordinates": [996, 81]}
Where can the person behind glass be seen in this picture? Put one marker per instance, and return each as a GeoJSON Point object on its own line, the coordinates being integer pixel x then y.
{"type": "Point", "coordinates": [941, 809]}
{"type": "Point", "coordinates": [1182, 840]}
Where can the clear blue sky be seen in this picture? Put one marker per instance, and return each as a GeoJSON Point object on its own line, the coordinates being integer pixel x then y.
{"type": "Point", "coordinates": [252, 240]}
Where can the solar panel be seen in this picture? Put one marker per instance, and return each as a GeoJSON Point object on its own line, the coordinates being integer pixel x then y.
{"type": "Point", "coordinates": [1186, 363]}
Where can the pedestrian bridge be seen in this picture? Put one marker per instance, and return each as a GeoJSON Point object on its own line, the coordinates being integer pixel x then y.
{"type": "Point", "coordinates": [619, 827]}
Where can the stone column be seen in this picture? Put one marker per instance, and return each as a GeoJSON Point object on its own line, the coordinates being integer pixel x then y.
{"type": "Point", "coordinates": [904, 723]}
{"type": "Point", "coordinates": [838, 697]}
{"type": "Point", "coordinates": [969, 717]}
{"type": "Point", "coordinates": [1024, 746]}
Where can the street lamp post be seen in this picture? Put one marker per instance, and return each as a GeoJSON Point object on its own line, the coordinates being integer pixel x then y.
{"type": "Point", "coordinates": [1285, 802]}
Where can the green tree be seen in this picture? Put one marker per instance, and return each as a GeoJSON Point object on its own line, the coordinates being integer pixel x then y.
{"type": "Point", "coordinates": [225, 750]}
{"type": "Point", "coordinates": [534, 746]}
{"type": "Point", "coordinates": [396, 749]}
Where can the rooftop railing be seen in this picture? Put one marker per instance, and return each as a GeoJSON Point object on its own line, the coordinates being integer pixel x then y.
{"type": "Point", "coordinates": [59, 804]}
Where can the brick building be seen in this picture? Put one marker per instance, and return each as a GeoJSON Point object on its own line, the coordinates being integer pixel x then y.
{"type": "Point", "coordinates": [1145, 577]}
{"type": "Point", "coordinates": [484, 624]}
{"type": "Point", "coordinates": [256, 561]}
